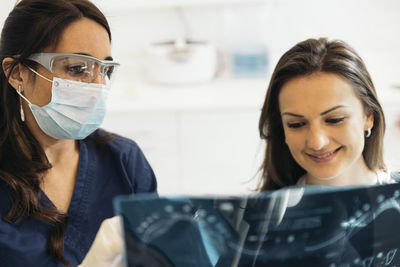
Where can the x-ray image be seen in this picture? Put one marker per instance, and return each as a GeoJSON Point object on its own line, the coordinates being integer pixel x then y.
{"type": "Point", "coordinates": [298, 226]}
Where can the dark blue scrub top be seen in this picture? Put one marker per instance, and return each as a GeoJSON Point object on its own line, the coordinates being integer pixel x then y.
{"type": "Point", "coordinates": [105, 171]}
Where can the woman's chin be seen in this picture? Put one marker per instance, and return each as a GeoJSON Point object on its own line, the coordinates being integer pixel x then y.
{"type": "Point", "coordinates": [324, 176]}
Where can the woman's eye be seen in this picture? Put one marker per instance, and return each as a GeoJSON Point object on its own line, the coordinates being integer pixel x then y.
{"type": "Point", "coordinates": [76, 69]}
{"type": "Point", "coordinates": [335, 120]}
{"type": "Point", "coordinates": [295, 125]}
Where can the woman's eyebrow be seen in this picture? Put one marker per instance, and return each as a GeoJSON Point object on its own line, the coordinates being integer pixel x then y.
{"type": "Point", "coordinates": [322, 113]}
{"type": "Point", "coordinates": [85, 54]}
{"type": "Point", "coordinates": [334, 108]}
{"type": "Point", "coordinates": [292, 114]}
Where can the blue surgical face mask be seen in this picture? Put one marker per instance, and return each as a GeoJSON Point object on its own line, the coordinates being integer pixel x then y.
{"type": "Point", "coordinates": [75, 111]}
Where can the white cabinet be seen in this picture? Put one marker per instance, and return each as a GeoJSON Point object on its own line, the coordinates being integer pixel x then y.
{"type": "Point", "coordinates": [196, 152]}
{"type": "Point", "coordinates": [218, 151]}
{"type": "Point", "coordinates": [199, 140]}
{"type": "Point", "coordinates": [156, 135]}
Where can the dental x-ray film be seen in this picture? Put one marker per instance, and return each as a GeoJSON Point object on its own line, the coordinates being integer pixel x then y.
{"type": "Point", "coordinates": [297, 226]}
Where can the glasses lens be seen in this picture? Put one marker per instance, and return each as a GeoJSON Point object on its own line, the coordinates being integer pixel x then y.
{"type": "Point", "coordinates": [109, 70]}
{"type": "Point", "coordinates": [82, 69]}
{"type": "Point", "coordinates": [73, 68]}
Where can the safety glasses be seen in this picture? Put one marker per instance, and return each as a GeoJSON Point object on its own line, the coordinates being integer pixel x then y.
{"type": "Point", "coordinates": [76, 67]}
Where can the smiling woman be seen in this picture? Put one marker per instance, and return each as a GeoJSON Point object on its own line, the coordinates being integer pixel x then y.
{"type": "Point", "coordinates": [324, 124]}
{"type": "Point", "coordinates": [321, 119]}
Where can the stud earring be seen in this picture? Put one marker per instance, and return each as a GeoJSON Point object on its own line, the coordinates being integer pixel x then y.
{"type": "Point", "coordinates": [21, 110]}
{"type": "Point", "coordinates": [368, 133]}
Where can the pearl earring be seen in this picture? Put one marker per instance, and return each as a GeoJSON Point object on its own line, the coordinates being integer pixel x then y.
{"type": "Point", "coordinates": [21, 110]}
{"type": "Point", "coordinates": [368, 133]}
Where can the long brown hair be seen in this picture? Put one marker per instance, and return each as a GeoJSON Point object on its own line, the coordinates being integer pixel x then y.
{"type": "Point", "coordinates": [30, 27]}
{"type": "Point", "coordinates": [279, 168]}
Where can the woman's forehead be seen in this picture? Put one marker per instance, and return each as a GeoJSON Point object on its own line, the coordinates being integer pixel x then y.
{"type": "Point", "coordinates": [84, 36]}
{"type": "Point", "coordinates": [316, 92]}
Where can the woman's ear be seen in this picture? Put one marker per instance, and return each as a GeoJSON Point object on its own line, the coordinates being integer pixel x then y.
{"type": "Point", "coordinates": [16, 73]}
{"type": "Point", "coordinates": [369, 122]}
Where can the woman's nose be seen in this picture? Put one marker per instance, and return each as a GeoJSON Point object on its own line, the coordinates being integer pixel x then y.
{"type": "Point", "coordinates": [317, 139]}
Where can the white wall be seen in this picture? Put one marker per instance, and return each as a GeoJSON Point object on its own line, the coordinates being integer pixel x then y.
{"type": "Point", "coordinates": [372, 27]}
{"type": "Point", "coordinates": [6, 6]}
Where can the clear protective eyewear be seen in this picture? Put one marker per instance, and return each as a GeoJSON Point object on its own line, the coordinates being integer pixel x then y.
{"type": "Point", "coordinates": [76, 67]}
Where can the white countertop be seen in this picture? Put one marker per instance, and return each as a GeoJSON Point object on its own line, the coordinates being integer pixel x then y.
{"type": "Point", "coordinates": [223, 93]}
{"type": "Point", "coordinates": [218, 94]}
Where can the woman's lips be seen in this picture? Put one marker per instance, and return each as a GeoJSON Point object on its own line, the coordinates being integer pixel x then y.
{"type": "Point", "coordinates": [324, 157]}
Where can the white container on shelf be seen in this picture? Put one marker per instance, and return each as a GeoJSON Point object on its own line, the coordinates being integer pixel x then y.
{"type": "Point", "coordinates": [181, 61]}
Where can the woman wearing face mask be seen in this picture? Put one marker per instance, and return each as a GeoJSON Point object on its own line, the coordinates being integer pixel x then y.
{"type": "Point", "coordinates": [58, 171]}
{"type": "Point", "coordinates": [321, 120]}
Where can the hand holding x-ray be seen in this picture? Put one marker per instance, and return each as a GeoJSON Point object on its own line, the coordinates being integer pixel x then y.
{"type": "Point", "coordinates": [106, 250]}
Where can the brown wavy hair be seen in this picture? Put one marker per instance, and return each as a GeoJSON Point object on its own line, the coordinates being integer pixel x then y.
{"type": "Point", "coordinates": [32, 26]}
{"type": "Point", "coordinates": [279, 169]}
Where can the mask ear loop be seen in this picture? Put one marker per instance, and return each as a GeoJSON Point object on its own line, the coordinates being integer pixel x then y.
{"type": "Point", "coordinates": [21, 110]}
{"type": "Point", "coordinates": [19, 91]}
